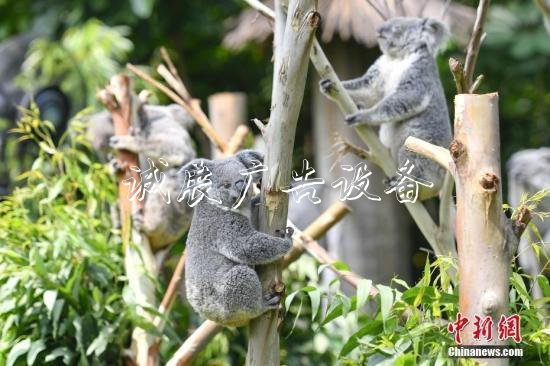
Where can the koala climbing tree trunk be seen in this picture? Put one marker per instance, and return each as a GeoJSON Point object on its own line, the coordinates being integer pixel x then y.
{"type": "Point", "coordinates": [292, 44]}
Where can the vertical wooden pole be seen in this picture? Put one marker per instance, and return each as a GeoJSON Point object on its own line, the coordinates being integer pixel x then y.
{"type": "Point", "coordinates": [227, 111]}
{"type": "Point", "coordinates": [484, 260]}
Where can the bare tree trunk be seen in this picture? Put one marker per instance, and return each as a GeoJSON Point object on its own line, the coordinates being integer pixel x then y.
{"type": "Point", "coordinates": [292, 49]}
{"type": "Point", "coordinates": [482, 232]}
{"type": "Point", "coordinates": [484, 260]}
{"type": "Point", "coordinates": [227, 111]}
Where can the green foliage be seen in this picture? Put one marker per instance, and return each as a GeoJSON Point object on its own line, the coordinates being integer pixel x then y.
{"type": "Point", "coordinates": [408, 326]}
{"type": "Point", "coordinates": [81, 62]}
{"type": "Point", "coordinates": [61, 277]}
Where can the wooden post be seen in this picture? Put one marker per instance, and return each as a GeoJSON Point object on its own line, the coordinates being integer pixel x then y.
{"type": "Point", "coordinates": [227, 111]}
{"type": "Point", "coordinates": [484, 261]}
{"type": "Point", "coordinates": [292, 49]}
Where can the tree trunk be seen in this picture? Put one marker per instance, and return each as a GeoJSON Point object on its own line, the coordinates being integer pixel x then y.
{"type": "Point", "coordinates": [292, 47]}
{"type": "Point", "coordinates": [484, 260]}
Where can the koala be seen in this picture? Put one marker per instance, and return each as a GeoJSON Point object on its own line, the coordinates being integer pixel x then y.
{"type": "Point", "coordinates": [402, 94]}
{"type": "Point", "coordinates": [529, 172]}
{"type": "Point", "coordinates": [161, 140]}
{"type": "Point", "coordinates": [159, 133]}
{"type": "Point", "coordinates": [223, 247]}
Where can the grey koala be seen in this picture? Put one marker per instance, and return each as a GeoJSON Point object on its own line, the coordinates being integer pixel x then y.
{"type": "Point", "coordinates": [159, 137]}
{"type": "Point", "coordinates": [402, 93]}
{"type": "Point", "coordinates": [160, 132]}
{"type": "Point", "coordinates": [223, 247]}
{"type": "Point", "coordinates": [529, 172]}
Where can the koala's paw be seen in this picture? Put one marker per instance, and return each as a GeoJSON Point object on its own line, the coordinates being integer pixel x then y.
{"type": "Point", "coordinates": [126, 142]}
{"type": "Point", "coordinates": [137, 220]}
{"type": "Point", "coordinates": [355, 119]}
{"type": "Point", "coordinates": [116, 167]}
{"type": "Point", "coordinates": [273, 298]}
{"type": "Point", "coordinates": [272, 301]}
{"type": "Point", "coordinates": [285, 234]}
{"type": "Point", "coordinates": [326, 86]}
{"type": "Point", "coordinates": [391, 182]}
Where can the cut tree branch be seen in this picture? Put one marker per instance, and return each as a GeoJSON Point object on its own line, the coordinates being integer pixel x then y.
{"type": "Point", "coordinates": [436, 153]}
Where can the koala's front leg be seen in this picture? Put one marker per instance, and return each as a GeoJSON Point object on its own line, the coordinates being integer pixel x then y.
{"type": "Point", "coordinates": [126, 142]}
{"type": "Point", "coordinates": [394, 108]}
{"type": "Point", "coordinates": [258, 248]}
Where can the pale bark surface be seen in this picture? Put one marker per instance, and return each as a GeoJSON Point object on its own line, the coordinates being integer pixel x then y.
{"type": "Point", "coordinates": [484, 262]}
{"type": "Point", "coordinates": [291, 62]}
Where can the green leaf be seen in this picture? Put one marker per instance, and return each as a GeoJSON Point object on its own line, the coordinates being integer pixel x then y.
{"type": "Point", "coordinates": [64, 352]}
{"type": "Point", "coordinates": [315, 297]}
{"type": "Point", "coordinates": [36, 347]}
{"type": "Point", "coordinates": [289, 298]}
{"type": "Point", "coordinates": [386, 301]}
{"type": "Point", "coordinates": [373, 328]}
{"type": "Point", "coordinates": [18, 350]}
{"type": "Point", "coordinates": [340, 266]}
{"type": "Point", "coordinates": [363, 290]}
{"type": "Point", "coordinates": [49, 297]}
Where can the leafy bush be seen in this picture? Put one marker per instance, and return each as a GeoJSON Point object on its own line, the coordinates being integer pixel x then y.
{"type": "Point", "coordinates": [61, 273]}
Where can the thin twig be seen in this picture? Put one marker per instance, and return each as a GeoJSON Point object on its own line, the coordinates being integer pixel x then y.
{"type": "Point", "coordinates": [342, 147]}
{"type": "Point", "coordinates": [166, 57]}
{"type": "Point", "coordinates": [192, 108]}
{"type": "Point", "coordinates": [475, 42]}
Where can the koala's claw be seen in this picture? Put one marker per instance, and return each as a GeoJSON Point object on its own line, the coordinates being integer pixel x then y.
{"type": "Point", "coordinates": [285, 234]}
{"type": "Point", "coordinates": [289, 232]}
{"type": "Point", "coordinates": [116, 166]}
{"type": "Point", "coordinates": [272, 300]}
{"type": "Point", "coordinates": [326, 86]}
{"type": "Point", "coordinates": [354, 119]}
{"type": "Point", "coordinates": [391, 182]}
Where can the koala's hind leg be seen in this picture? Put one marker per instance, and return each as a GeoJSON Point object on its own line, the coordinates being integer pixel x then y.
{"type": "Point", "coordinates": [242, 298]}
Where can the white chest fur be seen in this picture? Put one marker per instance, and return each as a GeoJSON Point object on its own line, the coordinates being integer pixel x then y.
{"type": "Point", "coordinates": [392, 71]}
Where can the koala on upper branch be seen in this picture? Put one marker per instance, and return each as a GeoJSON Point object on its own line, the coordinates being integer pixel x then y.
{"type": "Point", "coordinates": [402, 93]}
{"type": "Point", "coordinates": [223, 247]}
{"type": "Point", "coordinates": [160, 137]}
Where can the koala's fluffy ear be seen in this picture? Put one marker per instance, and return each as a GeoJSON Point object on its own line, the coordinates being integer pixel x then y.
{"type": "Point", "coordinates": [247, 157]}
{"type": "Point", "coordinates": [435, 34]}
{"type": "Point", "coordinates": [195, 165]}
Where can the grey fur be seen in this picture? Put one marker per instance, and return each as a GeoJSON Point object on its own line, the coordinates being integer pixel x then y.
{"type": "Point", "coordinates": [529, 172]}
{"type": "Point", "coordinates": [402, 93]}
{"type": "Point", "coordinates": [223, 247]}
{"type": "Point", "coordinates": [159, 133]}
